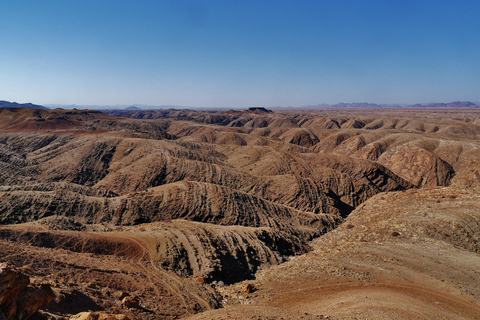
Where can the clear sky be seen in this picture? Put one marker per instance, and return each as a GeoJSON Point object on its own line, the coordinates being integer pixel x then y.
{"type": "Point", "coordinates": [238, 52]}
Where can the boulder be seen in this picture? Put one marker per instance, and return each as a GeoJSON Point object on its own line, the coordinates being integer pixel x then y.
{"type": "Point", "coordinates": [121, 295]}
{"type": "Point", "coordinates": [11, 283]}
{"type": "Point", "coordinates": [31, 299]}
{"type": "Point", "coordinates": [130, 302]}
{"type": "Point", "coordinates": [18, 300]}
{"type": "Point", "coordinates": [98, 316]}
{"type": "Point", "coordinates": [249, 288]}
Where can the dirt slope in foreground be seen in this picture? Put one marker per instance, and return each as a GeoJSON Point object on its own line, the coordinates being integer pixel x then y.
{"type": "Point", "coordinates": [405, 255]}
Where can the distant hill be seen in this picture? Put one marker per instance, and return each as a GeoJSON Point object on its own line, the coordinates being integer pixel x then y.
{"type": "Point", "coordinates": [458, 104]}
{"type": "Point", "coordinates": [8, 104]}
{"type": "Point", "coordinates": [113, 107]}
{"type": "Point", "coordinates": [18, 119]}
{"type": "Point", "coordinates": [133, 108]}
{"type": "Point", "coordinates": [453, 104]}
{"type": "Point", "coordinates": [350, 105]}
{"type": "Point", "coordinates": [258, 110]}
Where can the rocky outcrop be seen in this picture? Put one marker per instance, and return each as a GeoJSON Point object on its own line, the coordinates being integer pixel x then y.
{"type": "Point", "coordinates": [130, 302]}
{"type": "Point", "coordinates": [99, 316]}
{"type": "Point", "coordinates": [18, 300]}
{"type": "Point", "coordinates": [31, 299]}
{"type": "Point", "coordinates": [11, 284]}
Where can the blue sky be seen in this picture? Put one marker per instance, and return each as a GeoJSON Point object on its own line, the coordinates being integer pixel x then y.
{"type": "Point", "coordinates": [239, 53]}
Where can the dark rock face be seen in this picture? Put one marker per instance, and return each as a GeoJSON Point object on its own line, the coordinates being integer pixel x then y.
{"type": "Point", "coordinates": [94, 166]}
{"type": "Point", "coordinates": [259, 110]}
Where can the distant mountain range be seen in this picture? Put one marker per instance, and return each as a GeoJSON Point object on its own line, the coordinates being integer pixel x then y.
{"type": "Point", "coordinates": [8, 104]}
{"type": "Point", "coordinates": [116, 107]}
{"type": "Point", "coordinates": [353, 105]}
{"type": "Point", "coordinates": [132, 108]}
{"type": "Point", "coordinates": [454, 104]}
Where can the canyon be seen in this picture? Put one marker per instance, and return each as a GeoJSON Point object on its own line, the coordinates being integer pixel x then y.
{"type": "Point", "coordinates": [328, 213]}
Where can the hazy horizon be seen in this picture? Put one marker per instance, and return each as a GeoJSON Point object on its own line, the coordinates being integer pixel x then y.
{"type": "Point", "coordinates": [318, 105]}
{"type": "Point", "coordinates": [235, 54]}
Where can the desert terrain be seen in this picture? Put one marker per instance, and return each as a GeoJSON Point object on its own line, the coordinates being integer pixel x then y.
{"type": "Point", "coordinates": [346, 213]}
